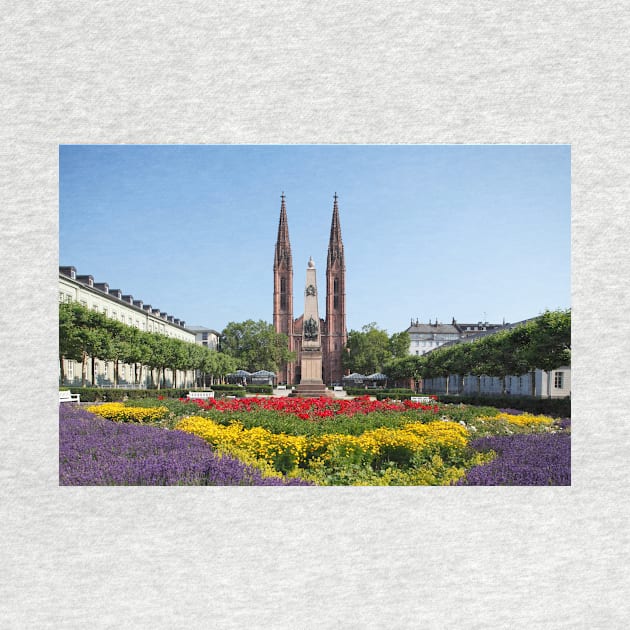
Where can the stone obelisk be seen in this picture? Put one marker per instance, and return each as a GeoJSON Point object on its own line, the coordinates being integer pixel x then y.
{"type": "Point", "coordinates": [311, 383]}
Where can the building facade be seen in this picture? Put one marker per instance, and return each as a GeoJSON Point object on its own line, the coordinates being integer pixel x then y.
{"type": "Point", "coordinates": [333, 327]}
{"type": "Point", "coordinates": [98, 296]}
{"type": "Point", "coordinates": [427, 337]}
{"type": "Point", "coordinates": [206, 337]}
{"type": "Point", "coordinates": [553, 384]}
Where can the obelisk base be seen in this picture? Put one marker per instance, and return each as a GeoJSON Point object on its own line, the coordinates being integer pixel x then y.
{"type": "Point", "coordinates": [311, 384]}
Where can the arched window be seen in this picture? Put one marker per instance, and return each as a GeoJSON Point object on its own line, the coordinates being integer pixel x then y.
{"type": "Point", "coordinates": [336, 293]}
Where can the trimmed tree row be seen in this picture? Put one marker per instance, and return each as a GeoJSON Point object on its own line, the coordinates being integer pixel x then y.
{"type": "Point", "coordinates": [542, 343]}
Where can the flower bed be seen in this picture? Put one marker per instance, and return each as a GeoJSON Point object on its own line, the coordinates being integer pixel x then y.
{"type": "Point", "coordinates": [523, 460]}
{"type": "Point", "coordinates": [311, 408]}
{"type": "Point", "coordinates": [95, 451]}
{"type": "Point", "coordinates": [359, 442]}
{"type": "Point", "coordinates": [435, 452]}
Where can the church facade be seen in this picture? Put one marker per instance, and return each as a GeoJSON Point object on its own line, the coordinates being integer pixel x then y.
{"type": "Point", "coordinates": [333, 327]}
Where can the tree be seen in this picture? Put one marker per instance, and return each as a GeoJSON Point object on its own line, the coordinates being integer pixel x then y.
{"type": "Point", "coordinates": [82, 335]}
{"type": "Point", "coordinates": [549, 344]}
{"type": "Point", "coordinates": [256, 345]}
{"type": "Point", "coordinates": [405, 368]}
{"type": "Point", "coordinates": [69, 341]}
{"type": "Point", "coordinates": [367, 350]}
{"type": "Point", "coordinates": [399, 344]}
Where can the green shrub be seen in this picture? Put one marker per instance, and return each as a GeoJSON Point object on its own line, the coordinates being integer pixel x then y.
{"type": "Point", "coordinates": [381, 394]}
{"type": "Point", "coordinates": [107, 394]}
{"type": "Point", "coordinates": [259, 389]}
{"type": "Point", "coordinates": [554, 407]}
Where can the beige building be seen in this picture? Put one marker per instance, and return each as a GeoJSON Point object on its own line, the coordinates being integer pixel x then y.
{"type": "Point", "coordinates": [206, 337]}
{"type": "Point", "coordinates": [124, 308]}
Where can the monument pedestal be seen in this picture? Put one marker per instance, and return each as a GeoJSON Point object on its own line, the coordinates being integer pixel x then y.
{"type": "Point", "coordinates": [311, 384]}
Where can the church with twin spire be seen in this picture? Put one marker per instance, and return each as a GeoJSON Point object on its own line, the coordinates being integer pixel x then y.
{"type": "Point", "coordinates": [330, 332]}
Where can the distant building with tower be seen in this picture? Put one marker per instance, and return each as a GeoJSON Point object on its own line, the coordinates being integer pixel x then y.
{"type": "Point", "coordinates": [331, 329]}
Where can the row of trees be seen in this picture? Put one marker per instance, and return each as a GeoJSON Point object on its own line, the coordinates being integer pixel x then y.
{"type": "Point", "coordinates": [542, 343]}
{"type": "Point", "coordinates": [85, 334]}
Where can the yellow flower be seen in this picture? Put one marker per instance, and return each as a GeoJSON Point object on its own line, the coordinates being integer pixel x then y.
{"type": "Point", "coordinates": [120, 413]}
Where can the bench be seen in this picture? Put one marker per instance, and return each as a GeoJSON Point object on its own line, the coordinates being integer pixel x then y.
{"type": "Point", "coordinates": [421, 399]}
{"type": "Point", "coordinates": [65, 395]}
{"type": "Point", "coordinates": [337, 388]}
{"type": "Point", "coordinates": [281, 387]}
{"type": "Point", "coordinates": [199, 395]}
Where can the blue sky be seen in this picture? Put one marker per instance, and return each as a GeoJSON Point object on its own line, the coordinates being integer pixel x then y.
{"type": "Point", "coordinates": [475, 232]}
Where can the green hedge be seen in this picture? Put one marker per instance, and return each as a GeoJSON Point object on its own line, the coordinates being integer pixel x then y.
{"type": "Point", "coordinates": [259, 389]}
{"type": "Point", "coordinates": [554, 407]}
{"type": "Point", "coordinates": [97, 394]}
{"type": "Point", "coordinates": [110, 394]}
{"type": "Point", "coordinates": [386, 393]}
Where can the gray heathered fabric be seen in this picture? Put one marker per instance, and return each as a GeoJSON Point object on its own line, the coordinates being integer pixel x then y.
{"type": "Point", "coordinates": [305, 72]}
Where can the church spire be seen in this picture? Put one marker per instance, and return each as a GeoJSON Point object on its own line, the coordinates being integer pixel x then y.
{"type": "Point", "coordinates": [283, 246]}
{"type": "Point", "coordinates": [335, 244]}
{"type": "Point", "coordinates": [336, 334]}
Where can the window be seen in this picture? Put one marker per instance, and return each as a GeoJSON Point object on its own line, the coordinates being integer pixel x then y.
{"type": "Point", "coordinates": [558, 380]}
{"type": "Point", "coordinates": [95, 307]}
{"type": "Point", "coordinates": [123, 372]}
{"type": "Point", "coordinates": [105, 311]}
{"type": "Point", "coordinates": [105, 371]}
{"type": "Point", "coordinates": [84, 303]}
{"type": "Point", "coordinates": [70, 370]}
{"type": "Point", "coordinates": [114, 315]}
{"type": "Point", "coordinates": [60, 296]}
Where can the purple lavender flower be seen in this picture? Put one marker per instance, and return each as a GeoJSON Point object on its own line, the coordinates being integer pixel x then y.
{"type": "Point", "coordinates": [523, 460]}
{"type": "Point", "coordinates": [564, 423]}
{"type": "Point", "coordinates": [94, 452]}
